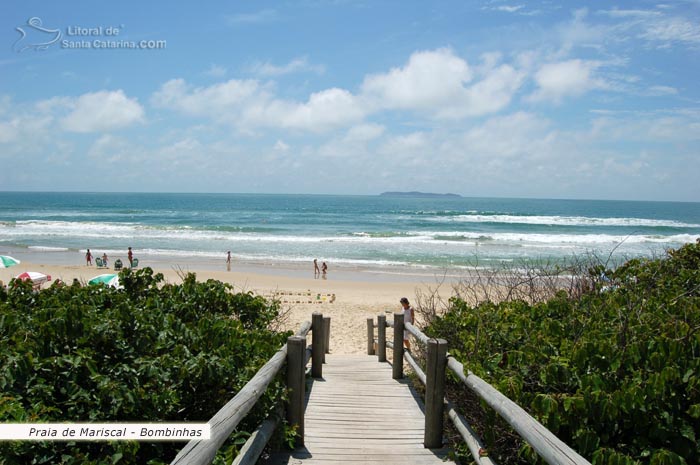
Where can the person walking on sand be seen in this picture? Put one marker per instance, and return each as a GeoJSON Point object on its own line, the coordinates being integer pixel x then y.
{"type": "Point", "coordinates": [407, 318]}
{"type": "Point", "coordinates": [88, 257]}
{"type": "Point", "coordinates": [228, 261]}
{"type": "Point", "coordinates": [317, 271]}
{"type": "Point", "coordinates": [130, 256]}
{"type": "Point", "coordinates": [324, 269]}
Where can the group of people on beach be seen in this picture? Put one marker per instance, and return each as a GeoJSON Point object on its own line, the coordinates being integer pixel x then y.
{"type": "Point", "coordinates": [322, 271]}
{"type": "Point", "coordinates": [129, 256]}
{"type": "Point", "coordinates": [88, 258]}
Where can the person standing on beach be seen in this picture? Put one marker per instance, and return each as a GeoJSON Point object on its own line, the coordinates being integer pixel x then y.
{"type": "Point", "coordinates": [407, 318]}
{"type": "Point", "coordinates": [324, 269]}
{"type": "Point", "coordinates": [228, 261]}
{"type": "Point", "coordinates": [317, 271]}
{"type": "Point", "coordinates": [88, 257]}
{"type": "Point", "coordinates": [130, 256]}
{"type": "Point", "coordinates": [104, 260]}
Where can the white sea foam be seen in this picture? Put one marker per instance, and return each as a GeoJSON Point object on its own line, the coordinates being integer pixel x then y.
{"type": "Point", "coordinates": [40, 248]}
{"type": "Point", "coordinates": [270, 258]}
{"type": "Point", "coordinates": [135, 233]}
{"type": "Point", "coordinates": [564, 221]}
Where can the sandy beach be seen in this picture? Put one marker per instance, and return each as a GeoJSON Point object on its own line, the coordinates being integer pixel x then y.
{"type": "Point", "coordinates": [349, 300]}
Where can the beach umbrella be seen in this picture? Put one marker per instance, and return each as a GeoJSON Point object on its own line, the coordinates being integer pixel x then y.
{"type": "Point", "coordinates": [33, 276]}
{"type": "Point", "coordinates": [107, 280]}
{"type": "Point", "coordinates": [6, 261]}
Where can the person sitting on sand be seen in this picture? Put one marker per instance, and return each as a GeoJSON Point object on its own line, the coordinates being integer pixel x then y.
{"type": "Point", "coordinates": [407, 318]}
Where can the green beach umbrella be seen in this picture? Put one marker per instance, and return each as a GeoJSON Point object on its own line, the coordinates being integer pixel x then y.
{"type": "Point", "coordinates": [7, 261]}
{"type": "Point", "coordinates": [107, 280]}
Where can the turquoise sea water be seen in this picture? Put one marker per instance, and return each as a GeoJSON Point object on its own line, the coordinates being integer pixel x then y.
{"type": "Point", "coordinates": [352, 231]}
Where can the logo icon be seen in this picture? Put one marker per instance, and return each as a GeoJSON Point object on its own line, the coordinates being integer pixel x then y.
{"type": "Point", "coordinates": [35, 36]}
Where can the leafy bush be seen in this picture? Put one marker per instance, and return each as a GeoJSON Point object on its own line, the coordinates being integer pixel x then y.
{"type": "Point", "coordinates": [614, 372]}
{"type": "Point", "coordinates": [148, 353]}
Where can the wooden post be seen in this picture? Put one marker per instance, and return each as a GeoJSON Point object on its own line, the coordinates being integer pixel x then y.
{"type": "Point", "coordinates": [397, 365]}
{"type": "Point", "coordinates": [296, 347]}
{"type": "Point", "coordinates": [370, 336]}
{"type": "Point", "coordinates": [327, 338]}
{"type": "Point", "coordinates": [381, 338]}
{"type": "Point", "coordinates": [317, 342]}
{"type": "Point", "coordinates": [434, 392]}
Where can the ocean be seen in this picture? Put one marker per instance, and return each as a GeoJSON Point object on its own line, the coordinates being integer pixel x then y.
{"type": "Point", "coordinates": [399, 234]}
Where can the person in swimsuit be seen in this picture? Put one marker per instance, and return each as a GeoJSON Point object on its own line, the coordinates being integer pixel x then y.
{"type": "Point", "coordinates": [407, 318]}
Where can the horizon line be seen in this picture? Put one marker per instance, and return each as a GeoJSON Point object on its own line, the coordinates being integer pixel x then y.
{"type": "Point", "coordinates": [461, 196]}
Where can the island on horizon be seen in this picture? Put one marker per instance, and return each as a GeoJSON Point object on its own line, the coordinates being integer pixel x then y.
{"type": "Point", "coordinates": [418, 194]}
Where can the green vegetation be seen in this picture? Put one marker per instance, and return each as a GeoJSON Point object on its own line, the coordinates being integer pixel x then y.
{"type": "Point", "coordinates": [147, 353]}
{"type": "Point", "coordinates": [613, 372]}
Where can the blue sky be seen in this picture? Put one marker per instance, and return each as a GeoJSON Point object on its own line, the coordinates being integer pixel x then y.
{"type": "Point", "coordinates": [554, 99]}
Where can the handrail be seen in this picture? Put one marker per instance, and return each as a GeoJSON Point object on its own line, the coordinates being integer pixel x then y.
{"type": "Point", "coordinates": [417, 333]}
{"type": "Point", "coordinates": [200, 452]}
{"type": "Point", "coordinates": [304, 329]}
{"type": "Point", "coordinates": [553, 450]}
{"type": "Point", "coordinates": [257, 441]}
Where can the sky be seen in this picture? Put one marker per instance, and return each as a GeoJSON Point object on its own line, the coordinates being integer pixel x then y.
{"type": "Point", "coordinates": [544, 99]}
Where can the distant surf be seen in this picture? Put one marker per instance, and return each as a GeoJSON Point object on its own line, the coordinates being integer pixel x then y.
{"type": "Point", "coordinates": [355, 231]}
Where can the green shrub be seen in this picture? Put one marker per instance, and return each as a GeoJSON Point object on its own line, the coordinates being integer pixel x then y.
{"type": "Point", "coordinates": [147, 353]}
{"type": "Point", "coordinates": [614, 373]}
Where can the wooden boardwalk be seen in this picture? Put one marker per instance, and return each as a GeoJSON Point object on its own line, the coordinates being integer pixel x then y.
{"type": "Point", "coordinates": [358, 414]}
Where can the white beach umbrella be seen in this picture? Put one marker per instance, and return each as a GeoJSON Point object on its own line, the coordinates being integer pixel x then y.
{"type": "Point", "coordinates": [6, 261]}
{"type": "Point", "coordinates": [107, 279]}
{"type": "Point", "coordinates": [33, 276]}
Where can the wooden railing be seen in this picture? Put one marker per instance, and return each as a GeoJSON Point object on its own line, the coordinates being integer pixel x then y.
{"type": "Point", "coordinates": [544, 442]}
{"type": "Point", "coordinates": [296, 355]}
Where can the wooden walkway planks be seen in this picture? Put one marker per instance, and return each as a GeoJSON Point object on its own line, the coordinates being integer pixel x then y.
{"type": "Point", "coordinates": [358, 414]}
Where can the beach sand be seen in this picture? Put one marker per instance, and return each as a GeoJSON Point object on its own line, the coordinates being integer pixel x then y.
{"type": "Point", "coordinates": [357, 296]}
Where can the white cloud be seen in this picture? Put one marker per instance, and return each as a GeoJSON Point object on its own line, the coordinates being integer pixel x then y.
{"type": "Point", "coordinates": [281, 146]}
{"type": "Point", "coordinates": [412, 147]}
{"type": "Point", "coordinates": [297, 65]}
{"type": "Point", "coordinates": [679, 127]}
{"type": "Point", "coordinates": [365, 132]}
{"type": "Point", "coordinates": [618, 13]}
{"type": "Point", "coordinates": [215, 71]}
{"type": "Point", "coordinates": [111, 149]}
{"type": "Point", "coordinates": [208, 101]}
{"type": "Point", "coordinates": [579, 33]}
{"type": "Point", "coordinates": [437, 83]}
{"type": "Point", "coordinates": [429, 79]}
{"type": "Point", "coordinates": [247, 104]}
{"type": "Point", "coordinates": [102, 111]}
{"type": "Point", "coordinates": [569, 78]}
{"type": "Point", "coordinates": [657, 27]}
{"type": "Point", "coordinates": [8, 131]}
{"type": "Point", "coordinates": [519, 135]}
{"type": "Point", "coordinates": [670, 30]}
{"type": "Point", "coordinates": [434, 84]}
{"type": "Point", "coordinates": [658, 91]}
{"type": "Point", "coordinates": [26, 126]}
{"type": "Point", "coordinates": [323, 110]}
{"type": "Point", "coordinates": [510, 8]}
{"type": "Point", "coordinates": [263, 16]}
